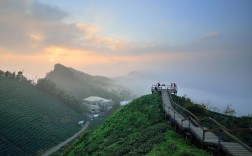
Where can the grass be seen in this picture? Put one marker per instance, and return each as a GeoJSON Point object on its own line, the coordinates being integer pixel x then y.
{"type": "Point", "coordinates": [32, 121]}
{"type": "Point", "coordinates": [176, 147]}
{"type": "Point", "coordinates": [137, 129]}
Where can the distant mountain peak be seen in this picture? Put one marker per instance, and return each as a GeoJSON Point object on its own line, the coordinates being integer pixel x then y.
{"type": "Point", "coordinates": [59, 67]}
{"type": "Point", "coordinates": [136, 74]}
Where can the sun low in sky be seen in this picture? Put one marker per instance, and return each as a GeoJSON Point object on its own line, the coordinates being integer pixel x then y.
{"type": "Point", "coordinates": [202, 45]}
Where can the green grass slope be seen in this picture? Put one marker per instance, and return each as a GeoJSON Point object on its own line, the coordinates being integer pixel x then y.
{"type": "Point", "coordinates": [137, 129]}
{"type": "Point", "coordinates": [30, 120]}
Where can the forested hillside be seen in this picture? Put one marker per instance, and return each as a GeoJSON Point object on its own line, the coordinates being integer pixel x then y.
{"type": "Point", "coordinates": [31, 120]}
{"type": "Point", "coordinates": [82, 85]}
{"type": "Point", "coordinates": [137, 129]}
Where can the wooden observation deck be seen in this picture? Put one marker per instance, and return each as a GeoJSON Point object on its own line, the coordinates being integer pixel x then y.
{"type": "Point", "coordinates": [171, 89]}
{"type": "Point", "coordinates": [189, 124]}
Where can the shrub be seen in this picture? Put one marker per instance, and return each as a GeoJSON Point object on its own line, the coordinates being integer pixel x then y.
{"type": "Point", "coordinates": [198, 110]}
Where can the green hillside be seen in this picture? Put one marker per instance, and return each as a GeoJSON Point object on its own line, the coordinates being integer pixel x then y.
{"type": "Point", "coordinates": [82, 85]}
{"type": "Point", "coordinates": [137, 129]}
{"type": "Point", "coordinates": [32, 121]}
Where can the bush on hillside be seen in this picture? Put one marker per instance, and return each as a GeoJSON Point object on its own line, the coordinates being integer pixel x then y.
{"type": "Point", "coordinates": [198, 110]}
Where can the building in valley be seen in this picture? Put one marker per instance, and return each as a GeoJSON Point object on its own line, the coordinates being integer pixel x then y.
{"type": "Point", "coordinates": [95, 104]}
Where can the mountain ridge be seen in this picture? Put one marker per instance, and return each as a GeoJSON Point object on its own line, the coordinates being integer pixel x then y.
{"type": "Point", "coordinates": [82, 85]}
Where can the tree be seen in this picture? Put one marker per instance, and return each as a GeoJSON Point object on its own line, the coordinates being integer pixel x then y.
{"type": "Point", "coordinates": [198, 110]}
{"type": "Point", "coordinates": [229, 110]}
{"type": "Point", "coordinates": [47, 86]}
{"type": "Point", "coordinates": [7, 74]}
{"type": "Point", "coordinates": [50, 87]}
{"type": "Point", "coordinates": [2, 73]}
{"type": "Point", "coordinates": [20, 75]}
{"type": "Point", "coordinates": [13, 76]}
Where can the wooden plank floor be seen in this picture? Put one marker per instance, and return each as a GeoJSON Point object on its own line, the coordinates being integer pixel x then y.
{"type": "Point", "coordinates": [235, 149]}
{"type": "Point", "coordinates": [231, 148]}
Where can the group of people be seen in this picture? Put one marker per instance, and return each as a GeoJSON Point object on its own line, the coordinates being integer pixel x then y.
{"type": "Point", "coordinates": [173, 85]}
{"type": "Point", "coordinates": [158, 85]}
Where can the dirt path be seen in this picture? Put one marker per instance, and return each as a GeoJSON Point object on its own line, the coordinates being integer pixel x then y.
{"type": "Point", "coordinates": [57, 147]}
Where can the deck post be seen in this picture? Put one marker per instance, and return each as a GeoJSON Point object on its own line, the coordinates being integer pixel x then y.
{"type": "Point", "coordinates": [174, 115]}
{"type": "Point", "coordinates": [189, 122]}
{"type": "Point", "coordinates": [204, 131]}
{"type": "Point", "coordinates": [219, 139]}
{"type": "Point", "coordinates": [250, 140]}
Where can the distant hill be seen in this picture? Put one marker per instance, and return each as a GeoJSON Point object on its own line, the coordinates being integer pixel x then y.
{"type": "Point", "coordinates": [82, 85]}
{"type": "Point", "coordinates": [137, 129]}
{"type": "Point", "coordinates": [30, 120]}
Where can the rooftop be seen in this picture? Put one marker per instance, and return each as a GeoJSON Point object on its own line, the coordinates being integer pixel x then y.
{"type": "Point", "coordinates": [96, 99]}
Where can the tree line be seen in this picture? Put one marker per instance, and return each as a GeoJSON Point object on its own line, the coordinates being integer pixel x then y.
{"type": "Point", "coordinates": [46, 86]}
{"type": "Point", "coordinates": [15, 76]}
{"type": "Point", "coordinates": [50, 88]}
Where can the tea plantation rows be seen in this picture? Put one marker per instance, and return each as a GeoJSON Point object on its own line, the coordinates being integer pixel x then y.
{"type": "Point", "coordinates": [32, 121]}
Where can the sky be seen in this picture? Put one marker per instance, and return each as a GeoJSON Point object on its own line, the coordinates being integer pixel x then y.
{"type": "Point", "coordinates": [203, 46]}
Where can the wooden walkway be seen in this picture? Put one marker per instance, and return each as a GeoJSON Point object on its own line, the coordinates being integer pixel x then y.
{"type": "Point", "coordinates": [205, 136]}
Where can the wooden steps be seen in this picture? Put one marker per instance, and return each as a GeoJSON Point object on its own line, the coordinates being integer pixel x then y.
{"type": "Point", "coordinates": [231, 148]}
{"type": "Point", "coordinates": [235, 149]}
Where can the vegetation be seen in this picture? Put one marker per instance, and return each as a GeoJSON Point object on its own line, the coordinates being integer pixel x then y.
{"type": "Point", "coordinates": [137, 129]}
{"type": "Point", "coordinates": [32, 121]}
{"type": "Point", "coordinates": [174, 144]}
{"type": "Point", "coordinates": [50, 88]}
{"type": "Point", "coordinates": [12, 75]}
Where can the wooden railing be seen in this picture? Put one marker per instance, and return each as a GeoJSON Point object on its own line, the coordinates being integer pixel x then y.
{"type": "Point", "coordinates": [190, 116]}
{"type": "Point", "coordinates": [156, 88]}
{"type": "Point", "coordinates": [163, 86]}
{"type": "Point", "coordinates": [220, 128]}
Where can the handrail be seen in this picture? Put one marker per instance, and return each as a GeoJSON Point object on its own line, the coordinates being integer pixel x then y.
{"type": "Point", "coordinates": [184, 108]}
{"type": "Point", "coordinates": [230, 130]}
{"type": "Point", "coordinates": [217, 123]}
{"type": "Point", "coordinates": [240, 130]}
{"type": "Point", "coordinates": [163, 86]}
{"type": "Point", "coordinates": [230, 135]}
{"type": "Point", "coordinates": [191, 114]}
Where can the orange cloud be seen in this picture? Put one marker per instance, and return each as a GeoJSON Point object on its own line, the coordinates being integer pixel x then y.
{"type": "Point", "coordinates": [75, 55]}
{"type": "Point", "coordinates": [35, 39]}
{"type": "Point", "coordinates": [91, 35]}
{"type": "Point", "coordinates": [36, 36]}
